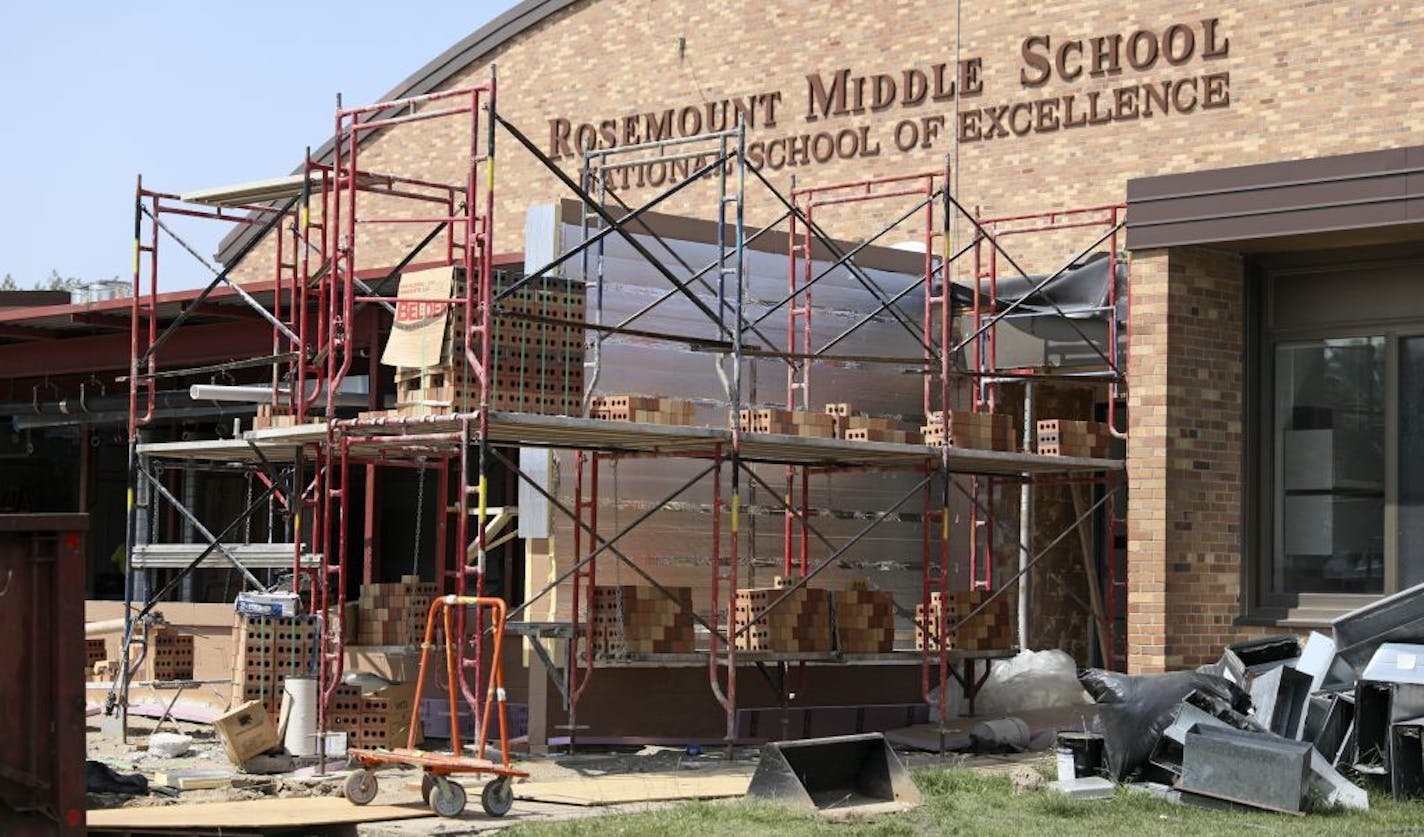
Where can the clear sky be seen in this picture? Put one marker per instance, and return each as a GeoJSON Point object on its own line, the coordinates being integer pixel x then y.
{"type": "Point", "coordinates": [189, 93]}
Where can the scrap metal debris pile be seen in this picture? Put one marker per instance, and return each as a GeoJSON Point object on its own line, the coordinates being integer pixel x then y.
{"type": "Point", "coordinates": [1275, 724]}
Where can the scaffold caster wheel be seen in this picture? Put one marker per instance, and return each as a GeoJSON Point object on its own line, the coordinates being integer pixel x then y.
{"type": "Point", "coordinates": [498, 796]}
{"type": "Point", "coordinates": [361, 786]}
{"type": "Point", "coordinates": [447, 798]}
{"type": "Point", "coordinates": [427, 784]}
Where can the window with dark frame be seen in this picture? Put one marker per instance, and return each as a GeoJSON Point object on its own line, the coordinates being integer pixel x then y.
{"type": "Point", "coordinates": [1340, 430]}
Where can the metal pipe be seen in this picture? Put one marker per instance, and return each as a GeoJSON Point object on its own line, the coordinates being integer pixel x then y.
{"type": "Point", "coordinates": [1025, 518]}
{"type": "Point", "coordinates": [263, 394]}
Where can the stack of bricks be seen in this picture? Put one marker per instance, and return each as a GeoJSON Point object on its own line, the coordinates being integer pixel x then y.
{"type": "Point", "coordinates": [644, 409]}
{"type": "Point", "coordinates": [978, 431]}
{"type": "Point", "coordinates": [991, 629]}
{"type": "Point", "coordinates": [537, 363]}
{"type": "Point", "coordinates": [629, 619]}
{"type": "Point", "coordinates": [94, 654]}
{"type": "Point", "coordinates": [788, 423]}
{"type": "Point", "coordinates": [169, 657]}
{"type": "Point", "coordinates": [379, 719]}
{"type": "Point", "coordinates": [1066, 437]}
{"type": "Point", "coordinates": [385, 718]}
{"type": "Point", "coordinates": [800, 624]}
{"type": "Point", "coordinates": [268, 416]}
{"type": "Point", "coordinates": [343, 714]}
{"type": "Point", "coordinates": [865, 621]}
{"type": "Point", "coordinates": [268, 650]}
{"type": "Point", "coordinates": [859, 428]}
{"type": "Point", "coordinates": [394, 613]}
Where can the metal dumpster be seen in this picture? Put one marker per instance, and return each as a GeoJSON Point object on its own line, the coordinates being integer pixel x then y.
{"type": "Point", "coordinates": [41, 678]}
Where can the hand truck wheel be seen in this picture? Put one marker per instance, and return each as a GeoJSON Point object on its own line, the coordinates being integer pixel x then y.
{"type": "Point", "coordinates": [361, 786]}
{"type": "Point", "coordinates": [498, 796]}
{"type": "Point", "coordinates": [447, 798]}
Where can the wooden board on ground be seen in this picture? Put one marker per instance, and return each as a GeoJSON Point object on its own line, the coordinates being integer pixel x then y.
{"type": "Point", "coordinates": [633, 787]}
{"type": "Point", "coordinates": [193, 779]}
{"type": "Point", "coordinates": [250, 815]}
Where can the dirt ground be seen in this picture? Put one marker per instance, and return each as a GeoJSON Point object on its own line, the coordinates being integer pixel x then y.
{"type": "Point", "coordinates": [400, 786]}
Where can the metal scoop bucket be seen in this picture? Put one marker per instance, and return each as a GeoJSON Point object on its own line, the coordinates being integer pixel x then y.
{"type": "Point", "coordinates": [832, 775]}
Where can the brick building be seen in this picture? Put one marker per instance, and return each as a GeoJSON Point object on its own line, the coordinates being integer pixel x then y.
{"type": "Point", "coordinates": [1268, 158]}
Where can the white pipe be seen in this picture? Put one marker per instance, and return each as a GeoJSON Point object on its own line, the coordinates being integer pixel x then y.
{"type": "Point", "coordinates": [262, 395]}
{"type": "Point", "coordinates": [105, 626]}
{"type": "Point", "coordinates": [1025, 519]}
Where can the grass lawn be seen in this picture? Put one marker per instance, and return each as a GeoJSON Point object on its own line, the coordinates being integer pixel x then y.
{"type": "Point", "coordinates": [963, 801]}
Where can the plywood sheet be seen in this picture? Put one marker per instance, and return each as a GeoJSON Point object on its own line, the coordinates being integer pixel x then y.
{"type": "Point", "coordinates": [251, 815]}
{"type": "Point", "coordinates": [637, 787]}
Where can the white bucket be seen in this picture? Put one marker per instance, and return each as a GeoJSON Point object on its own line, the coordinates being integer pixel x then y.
{"type": "Point", "coordinates": [335, 744]}
{"type": "Point", "coordinates": [301, 695]}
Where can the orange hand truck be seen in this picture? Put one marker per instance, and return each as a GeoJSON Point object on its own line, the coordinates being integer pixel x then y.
{"type": "Point", "coordinates": [446, 797]}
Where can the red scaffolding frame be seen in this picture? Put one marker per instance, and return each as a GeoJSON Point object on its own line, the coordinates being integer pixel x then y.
{"type": "Point", "coordinates": [320, 290]}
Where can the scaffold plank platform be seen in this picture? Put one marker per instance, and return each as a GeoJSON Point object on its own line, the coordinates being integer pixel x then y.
{"type": "Point", "coordinates": [529, 429]}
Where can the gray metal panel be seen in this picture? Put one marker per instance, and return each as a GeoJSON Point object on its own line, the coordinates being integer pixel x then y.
{"type": "Point", "coordinates": [1396, 663]}
{"type": "Point", "coordinates": [1247, 768]}
{"type": "Point", "coordinates": [1396, 617]}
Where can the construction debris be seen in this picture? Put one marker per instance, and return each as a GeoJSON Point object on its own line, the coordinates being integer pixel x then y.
{"type": "Point", "coordinates": [1356, 699]}
{"type": "Point", "coordinates": [832, 775]}
{"type": "Point", "coordinates": [246, 732]}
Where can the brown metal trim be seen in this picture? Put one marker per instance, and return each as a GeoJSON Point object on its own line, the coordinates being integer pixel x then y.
{"type": "Point", "coordinates": [47, 522]}
{"type": "Point", "coordinates": [1247, 205]}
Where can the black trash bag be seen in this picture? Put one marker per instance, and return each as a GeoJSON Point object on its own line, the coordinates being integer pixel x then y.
{"type": "Point", "coordinates": [1135, 710]}
{"type": "Point", "coordinates": [101, 778]}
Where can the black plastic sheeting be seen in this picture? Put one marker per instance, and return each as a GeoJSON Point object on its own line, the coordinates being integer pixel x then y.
{"type": "Point", "coordinates": [1134, 711]}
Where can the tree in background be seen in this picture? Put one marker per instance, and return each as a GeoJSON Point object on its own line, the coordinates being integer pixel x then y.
{"type": "Point", "coordinates": [54, 282]}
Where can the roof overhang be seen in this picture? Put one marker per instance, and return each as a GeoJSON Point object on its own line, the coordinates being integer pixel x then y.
{"type": "Point", "coordinates": [1373, 197]}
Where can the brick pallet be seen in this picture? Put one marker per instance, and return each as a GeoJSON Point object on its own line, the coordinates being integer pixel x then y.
{"type": "Point", "coordinates": [865, 621]}
{"type": "Point", "coordinates": [1066, 437]}
{"type": "Point", "coordinates": [378, 719]}
{"type": "Point", "coordinates": [788, 422]}
{"type": "Point", "coordinates": [537, 366]}
{"type": "Point", "coordinates": [992, 629]}
{"type": "Point", "coordinates": [859, 428]}
{"type": "Point", "coordinates": [645, 409]}
{"type": "Point", "coordinates": [169, 657]}
{"type": "Point", "coordinates": [267, 416]}
{"type": "Point", "coordinates": [629, 619]}
{"type": "Point", "coordinates": [394, 613]}
{"type": "Point", "coordinates": [801, 624]}
{"type": "Point", "coordinates": [268, 650]}
{"type": "Point", "coordinates": [977, 431]}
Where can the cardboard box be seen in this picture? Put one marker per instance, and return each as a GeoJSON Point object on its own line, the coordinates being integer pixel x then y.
{"type": "Point", "coordinates": [246, 732]}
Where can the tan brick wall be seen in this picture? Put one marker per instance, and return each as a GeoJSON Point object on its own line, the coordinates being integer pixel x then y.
{"type": "Point", "coordinates": [1185, 457]}
{"type": "Point", "coordinates": [1306, 79]}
